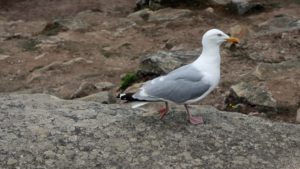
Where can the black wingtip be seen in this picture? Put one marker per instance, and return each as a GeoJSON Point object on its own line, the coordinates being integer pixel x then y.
{"type": "Point", "coordinates": [126, 96]}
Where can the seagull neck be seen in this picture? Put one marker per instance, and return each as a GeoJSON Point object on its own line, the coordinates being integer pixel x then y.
{"type": "Point", "coordinates": [210, 55]}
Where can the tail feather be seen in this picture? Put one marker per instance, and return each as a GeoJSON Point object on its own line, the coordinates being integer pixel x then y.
{"type": "Point", "coordinates": [138, 104]}
{"type": "Point", "coordinates": [128, 98]}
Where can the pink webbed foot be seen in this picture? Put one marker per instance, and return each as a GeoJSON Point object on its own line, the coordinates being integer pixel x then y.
{"type": "Point", "coordinates": [163, 111]}
{"type": "Point", "coordinates": [196, 120]}
{"type": "Point", "coordinates": [193, 119]}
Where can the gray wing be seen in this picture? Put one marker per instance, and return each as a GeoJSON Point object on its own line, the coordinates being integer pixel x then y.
{"type": "Point", "coordinates": [183, 84]}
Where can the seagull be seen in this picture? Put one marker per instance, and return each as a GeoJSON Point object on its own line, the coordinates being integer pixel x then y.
{"type": "Point", "coordinates": [186, 84]}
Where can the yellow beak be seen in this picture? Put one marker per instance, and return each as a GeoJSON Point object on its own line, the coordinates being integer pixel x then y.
{"type": "Point", "coordinates": [233, 40]}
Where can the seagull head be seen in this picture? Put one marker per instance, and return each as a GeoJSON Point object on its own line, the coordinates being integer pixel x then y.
{"type": "Point", "coordinates": [216, 37]}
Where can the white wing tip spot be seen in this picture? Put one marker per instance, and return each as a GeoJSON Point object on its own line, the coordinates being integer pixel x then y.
{"type": "Point", "coordinates": [161, 79]}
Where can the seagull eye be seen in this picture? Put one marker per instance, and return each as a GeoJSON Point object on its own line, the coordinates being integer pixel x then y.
{"type": "Point", "coordinates": [219, 34]}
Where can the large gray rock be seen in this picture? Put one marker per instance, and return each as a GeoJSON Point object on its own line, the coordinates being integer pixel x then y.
{"type": "Point", "coordinates": [163, 62]}
{"type": "Point", "coordinates": [253, 94]}
{"type": "Point", "coordinates": [168, 14]}
{"type": "Point", "coordinates": [162, 15]}
{"type": "Point", "coordinates": [279, 23]}
{"type": "Point", "coordinates": [40, 131]}
{"type": "Point", "coordinates": [271, 86]}
{"type": "Point", "coordinates": [242, 7]}
{"type": "Point", "coordinates": [239, 7]}
{"type": "Point", "coordinates": [104, 97]}
{"type": "Point", "coordinates": [283, 81]}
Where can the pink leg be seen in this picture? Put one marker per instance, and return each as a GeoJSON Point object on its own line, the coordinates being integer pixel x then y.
{"type": "Point", "coordinates": [193, 119]}
{"type": "Point", "coordinates": [164, 111]}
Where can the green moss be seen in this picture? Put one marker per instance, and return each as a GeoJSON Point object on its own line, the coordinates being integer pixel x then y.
{"type": "Point", "coordinates": [30, 45]}
{"type": "Point", "coordinates": [106, 54]}
{"type": "Point", "coordinates": [53, 28]}
{"type": "Point", "coordinates": [36, 68]}
{"type": "Point", "coordinates": [128, 80]}
{"type": "Point", "coordinates": [1, 51]}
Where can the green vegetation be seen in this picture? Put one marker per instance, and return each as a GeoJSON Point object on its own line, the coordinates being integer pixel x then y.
{"type": "Point", "coordinates": [36, 68]}
{"type": "Point", "coordinates": [106, 54]}
{"type": "Point", "coordinates": [128, 80]}
{"type": "Point", "coordinates": [1, 51]}
{"type": "Point", "coordinates": [30, 45]}
{"type": "Point", "coordinates": [53, 28]}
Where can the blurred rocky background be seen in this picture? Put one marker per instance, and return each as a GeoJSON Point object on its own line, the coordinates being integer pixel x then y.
{"type": "Point", "coordinates": [90, 50]}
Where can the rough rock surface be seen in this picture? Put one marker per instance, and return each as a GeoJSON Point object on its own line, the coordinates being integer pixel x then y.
{"type": "Point", "coordinates": [254, 95]}
{"type": "Point", "coordinates": [298, 116]}
{"type": "Point", "coordinates": [271, 86]}
{"type": "Point", "coordinates": [220, 2]}
{"type": "Point", "coordinates": [166, 14]}
{"type": "Point", "coordinates": [84, 90]}
{"type": "Point", "coordinates": [281, 22]}
{"type": "Point", "coordinates": [103, 86]}
{"type": "Point", "coordinates": [104, 97]}
{"type": "Point", "coordinates": [40, 131]}
{"type": "Point", "coordinates": [20, 28]}
{"type": "Point", "coordinates": [239, 7]}
{"type": "Point", "coordinates": [242, 7]}
{"type": "Point", "coordinates": [94, 41]}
